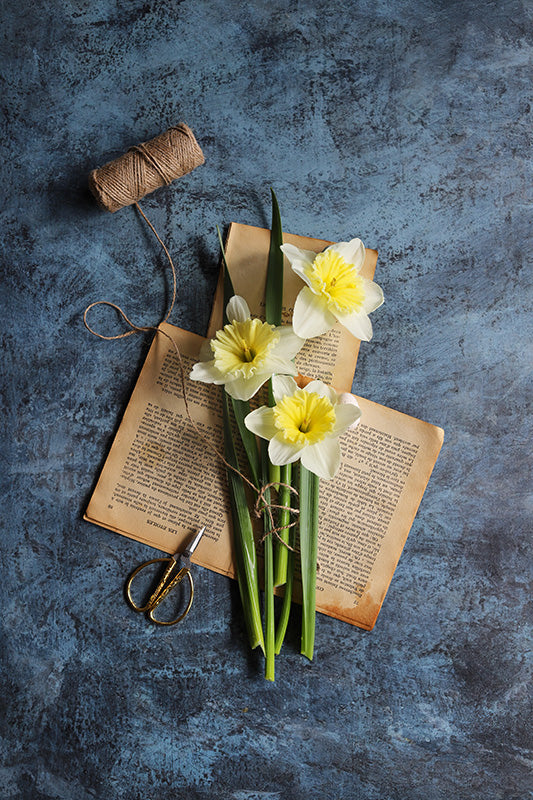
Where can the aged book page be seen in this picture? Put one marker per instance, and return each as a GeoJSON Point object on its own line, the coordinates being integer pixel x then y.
{"type": "Point", "coordinates": [331, 357]}
{"type": "Point", "coordinates": [161, 482]}
{"type": "Point", "coordinates": [367, 510]}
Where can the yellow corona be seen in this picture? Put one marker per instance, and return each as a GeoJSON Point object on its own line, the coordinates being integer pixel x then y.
{"type": "Point", "coordinates": [304, 418]}
{"type": "Point", "coordinates": [242, 348]}
{"type": "Point", "coordinates": [337, 281]}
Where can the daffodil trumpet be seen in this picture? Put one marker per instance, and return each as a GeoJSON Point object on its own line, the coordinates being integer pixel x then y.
{"type": "Point", "coordinates": [335, 290]}
{"type": "Point", "coordinates": [304, 424]}
{"type": "Point", "coordinates": [246, 352]}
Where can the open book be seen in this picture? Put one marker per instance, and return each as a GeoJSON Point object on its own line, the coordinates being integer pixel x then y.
{"type": "Point", "coordinates": [161, 482]}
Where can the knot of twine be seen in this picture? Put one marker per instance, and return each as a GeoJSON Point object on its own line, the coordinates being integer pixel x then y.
{"type": "Point", "coordinates": [262, 505]}
{"type": "Point", "coordinates": [146, 167]}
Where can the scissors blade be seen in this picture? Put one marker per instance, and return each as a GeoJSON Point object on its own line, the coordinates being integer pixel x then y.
{"type": "Point", "coordinates": [189, 550]}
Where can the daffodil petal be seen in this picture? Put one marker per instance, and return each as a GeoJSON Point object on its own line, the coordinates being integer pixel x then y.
{"type": "Point", "coordinates": [289, 344]}
{"type": "Point", "coordinates": [302, 270]}
{"type": "Point", "coordinates": [261, 422]}
{"type": "Point", "coordinates": [282, 452]}
{"type": "Point", "coordinates": [206, 372]}
{"type": "Point", "coordinates": [245, 388]}
{"type": "Point", "coordinates": [373, 296]}
{"type": "Point", "coordinates": [322, 458]}
{"type": "Point", "coordinates": [294, 253]}
{"type": "Point", "coordinates": [323, 390]}
{"type": "Point", "coordinates": [353, 252]}
{"type": "Point", "coordinates": [348, 399]}
{"type": "Point", "coordinates": [280, 366]}
{"type": "Point", "coordinates": [311, 316]}
{"type": "Point", "coordinates": [206, 351]}
{"type": "Point", "coordinates": [301, 261]}
{"type": "Point", "coordinates": [346, 416]}
{"type": "Point", "coordinates": [283, 386]}
{"type": "Point", "coordinates": [357, 323]}
{"type": "Point", "coordinates": [237, 309]}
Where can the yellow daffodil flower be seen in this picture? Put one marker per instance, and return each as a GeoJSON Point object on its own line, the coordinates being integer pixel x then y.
{"type": "Point", "coordinates": [305, 424]}
{"type": "Point", "coordinates": [335, 290]}
{"type": "Point", "coordinates": [246, 353]}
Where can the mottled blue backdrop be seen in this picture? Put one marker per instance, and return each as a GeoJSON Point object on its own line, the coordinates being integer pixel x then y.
{"type": "Point", "coordinates": [405, 123]}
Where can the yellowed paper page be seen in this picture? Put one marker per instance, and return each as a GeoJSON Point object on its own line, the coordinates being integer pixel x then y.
{"type": "Point", "coordinates": [367, 510]}
{"type": "Point", "coordinates": [331, 357]}
{"type": "Point", "coordinates": [161, 482]}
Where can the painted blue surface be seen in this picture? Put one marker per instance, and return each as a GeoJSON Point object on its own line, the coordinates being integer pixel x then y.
{"type": "Point", "coordinates": [405, 123]}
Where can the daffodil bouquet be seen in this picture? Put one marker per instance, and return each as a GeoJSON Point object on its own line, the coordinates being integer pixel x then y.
{"type": "Point", "coordinates": [299, 427]}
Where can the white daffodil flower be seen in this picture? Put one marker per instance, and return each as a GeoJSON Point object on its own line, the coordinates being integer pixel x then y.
{"type": "Point", "coordinates": [335, 290]}
{"type": "Point", "coordinates": [246, 353]}
{"type": "Point", "coordinates": [305, 424]}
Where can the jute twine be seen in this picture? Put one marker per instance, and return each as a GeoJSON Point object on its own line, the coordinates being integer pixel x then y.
{"type": "Point", "coordinates": [146, 167]}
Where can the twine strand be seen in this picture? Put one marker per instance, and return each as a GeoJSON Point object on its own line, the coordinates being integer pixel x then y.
{"type": "Point", "coordinates": [157, 166]}
{"type": "Point", "coordinates": [261, 505]}
{"type": "Point", "coordinates": [259, 509]}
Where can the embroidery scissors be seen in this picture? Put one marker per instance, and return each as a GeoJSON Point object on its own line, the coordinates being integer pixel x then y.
{"type": "Point", "coordinates": [180, 561]}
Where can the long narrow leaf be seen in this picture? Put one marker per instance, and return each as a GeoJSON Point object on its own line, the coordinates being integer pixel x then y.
{"type": "Point", "coordinates": [283, 621]}
{"type": "Point", "coordinates": [273, 308]}
{"type": "Point", "coordinates": [244, 544]}
{"type": "Point", "coordinates": [308, 556]}
{"type": "Point", "coordinates": [270, 625]}
{"type": "Point", "coordinates": [229, 291]}
{"type": "Point", "coordinates": [274, 283]}
{"type": "Point", "coordinates": [241, 408]}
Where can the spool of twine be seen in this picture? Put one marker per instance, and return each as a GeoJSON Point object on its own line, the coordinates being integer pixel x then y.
{"type": "Point", "coordinates": [146, 167]}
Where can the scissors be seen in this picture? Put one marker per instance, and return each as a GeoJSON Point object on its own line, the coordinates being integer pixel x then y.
{"type": "Point", "coordinates": [180, 561]}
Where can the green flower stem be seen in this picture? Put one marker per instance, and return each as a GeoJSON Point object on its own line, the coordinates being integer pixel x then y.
{"type": "Point", "coordinates": [270, 635]}
{"type": "Point", "coordinates": [269, 476]}
{"type": "Point", "coordinates": [282, 552]}
{"type": "Point", "coordinates": [273, 469]}
{"type": "Point", "coordinates": [270, 631]}
{"type": "Point", "coordinates": [287, 597]}
{"type": "Point", "coordinates": [274, 475]}
{"type": "Point", "coordinates": [309, 484]}
{"type": "Point", "coordinates": [243, 538]}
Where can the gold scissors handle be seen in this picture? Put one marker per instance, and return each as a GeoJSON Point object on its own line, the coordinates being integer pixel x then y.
{"type": "Point", "coordinates": [168, 581]}
{"type": "Point", "coordinates": [165, 585]}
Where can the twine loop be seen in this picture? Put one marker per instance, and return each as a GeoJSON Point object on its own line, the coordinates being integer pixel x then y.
{"type": "Point", "coordinates": [263, 505]}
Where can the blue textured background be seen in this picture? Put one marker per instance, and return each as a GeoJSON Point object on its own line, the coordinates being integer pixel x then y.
{"type": "Point", "coordinates": [405, 123]}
